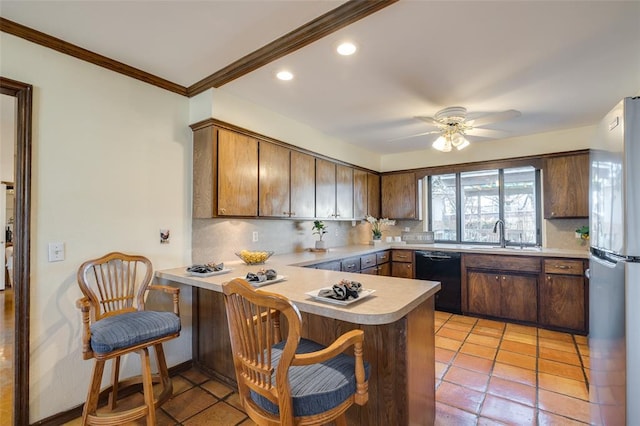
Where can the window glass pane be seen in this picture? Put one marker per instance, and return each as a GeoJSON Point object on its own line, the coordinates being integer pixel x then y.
{"type": "Point", "coordinates": [480, 205]}
{"type": "Point", "coordinates": [443, 208]}
{"type": "Point", "coordinates": [520, 205]}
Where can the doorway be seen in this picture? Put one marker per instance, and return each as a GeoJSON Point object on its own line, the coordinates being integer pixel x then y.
{"type": "Point", "coordinates": [21, 244]}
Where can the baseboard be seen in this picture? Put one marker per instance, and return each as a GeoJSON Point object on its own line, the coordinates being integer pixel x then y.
{"type": "Point", "coordinates": [75, 412]}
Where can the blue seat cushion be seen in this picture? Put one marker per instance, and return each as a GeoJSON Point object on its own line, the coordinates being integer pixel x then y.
{"type": "Point", "coordinates": [129, 329]}
{"type": "Point", "coordinates": [318, 387]}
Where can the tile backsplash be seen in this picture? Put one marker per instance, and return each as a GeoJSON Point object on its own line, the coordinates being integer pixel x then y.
{"type": "Point", "coordinates": [218, 239]}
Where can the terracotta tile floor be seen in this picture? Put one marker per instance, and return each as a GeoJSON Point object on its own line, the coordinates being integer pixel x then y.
{"type": "Point", "coordinates": [492, 373]}
{"type": "Point", "coordinates": [487, 373]}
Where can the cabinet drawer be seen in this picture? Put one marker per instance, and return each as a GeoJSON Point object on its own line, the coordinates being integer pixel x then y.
{"type": "Point", "coordinates": [351, 265]}
{"type": "Point", "coordinates": [563, 266]}
{"type": "Point", "coordinates": [402, 255]}
{"type": "Point", "coordinates": [329, 266]}
{"type": "Point", "coordinates": [502, 263]}
{"type": "Point", "coordinates": [368, 261]}
{"type": "Point", "coordinates": [382, 257]}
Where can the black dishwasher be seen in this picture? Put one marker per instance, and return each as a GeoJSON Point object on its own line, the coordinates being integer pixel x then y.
{"type": "Point", "coordinates": [442, 266]}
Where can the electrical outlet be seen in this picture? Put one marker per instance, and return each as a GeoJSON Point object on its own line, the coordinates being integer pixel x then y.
{"type": "Point", "coordinates": [255, 236]}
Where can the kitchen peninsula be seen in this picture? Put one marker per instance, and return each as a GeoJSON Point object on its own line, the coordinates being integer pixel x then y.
{"type": "Point", "coordinates": [397, 320]}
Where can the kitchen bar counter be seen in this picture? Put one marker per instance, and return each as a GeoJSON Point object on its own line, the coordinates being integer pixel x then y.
{"type": "Point", "coordinates": [397, 320]}
{"type": "Point", "coordinates": [393, 298]}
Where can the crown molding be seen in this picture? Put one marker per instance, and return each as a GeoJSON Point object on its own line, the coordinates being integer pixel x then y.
{"type": "Point", "coordinates": [67, 48]}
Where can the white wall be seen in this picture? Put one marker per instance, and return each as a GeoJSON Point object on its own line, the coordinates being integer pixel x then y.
{"type": "Point", "coordinates": [219, 104]}
{"type": "Point", "coordinates": [111, 166]}
{"type": "Point", "coordinates": [541, 143]}
{"type": "Point", "coordinates": [8, 134]}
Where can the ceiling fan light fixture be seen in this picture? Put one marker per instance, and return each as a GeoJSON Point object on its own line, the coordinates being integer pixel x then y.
{"type": "Point", "coordinates": [459, 141]}
{"type": "Point", "coordinates": [442, 144]}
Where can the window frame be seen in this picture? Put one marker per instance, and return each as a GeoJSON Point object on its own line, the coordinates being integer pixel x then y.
{"type": "Point", "coordinates": [501, 207]}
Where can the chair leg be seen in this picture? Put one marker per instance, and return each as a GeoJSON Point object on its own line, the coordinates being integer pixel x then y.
{"type": "Point", "coordinates": [341, 420]}
{"type": "Point", "coordinates": [91, 405]}
{"type": "Point", "coordinates": [115, 378]}
{"type": "Point", "coordinates": [147, 385]}
{"type": "Point", "coordinates": [163, 372]}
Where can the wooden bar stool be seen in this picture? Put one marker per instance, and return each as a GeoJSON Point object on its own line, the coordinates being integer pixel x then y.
{"type": "Point", "coordinates": [293, 381]}
{"type": "Point", "coordinates": [115, 324]}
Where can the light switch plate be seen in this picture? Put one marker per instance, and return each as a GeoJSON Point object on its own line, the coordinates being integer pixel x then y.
{"type": "Point", "coordinates": [56, 252]}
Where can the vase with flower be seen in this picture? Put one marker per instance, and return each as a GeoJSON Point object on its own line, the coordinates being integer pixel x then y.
{"type": "Point", "coordinates": [376, 226]}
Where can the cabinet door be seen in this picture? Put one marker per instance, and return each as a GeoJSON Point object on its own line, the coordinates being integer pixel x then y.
{"type": "Point", "coordinates": [237, 174]}
{"type": "Point", "coordinates": [562, 302]}
{"type": "Point", "coordinates": [402, 270]}
{"type": "Point", "coordinates": [274, 180]}
{"type": "Point", "coordinates": [483, 293]}
{"type": "Point", "coordinates": [325, 189]}
{"type": "Point", "coordinates": [359, 194]}
{"type": "Point", "coordinates": [373, 195]}
{"type": "Point", "coordinates": [303, 185]}
{"type": "Point", "coordinates": [518, 297]}
{"type": "Point", "coordinates": [344, 192]}
{"type": "Point", "coordinates": [399, 196]}
{"type": "Point", "coordinates": [385, 269]}
{"type": "Point", "coordinates": [205, 160]}
{"type": "Point", "coordinates": [566, 186]}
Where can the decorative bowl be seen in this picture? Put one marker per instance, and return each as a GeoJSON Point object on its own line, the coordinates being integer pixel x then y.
{"type": "Point", "coordinates": [254, 257]}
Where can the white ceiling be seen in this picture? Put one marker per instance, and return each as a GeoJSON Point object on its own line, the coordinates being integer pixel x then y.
{"type": "Point", "coordinates": [563, 64]}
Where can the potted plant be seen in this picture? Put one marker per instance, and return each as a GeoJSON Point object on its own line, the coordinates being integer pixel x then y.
{"type": "Point", "coordinates": [320, 229]}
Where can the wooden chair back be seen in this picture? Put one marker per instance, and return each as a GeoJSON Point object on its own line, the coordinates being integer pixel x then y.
{"type": "Point", "coordinates": [254, 325]}
{"type": "Point", "coordinates": [115, 283]}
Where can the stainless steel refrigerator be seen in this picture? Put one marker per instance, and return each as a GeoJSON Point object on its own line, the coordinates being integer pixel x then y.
{"type": "Point", "coordinates": [614, 268]}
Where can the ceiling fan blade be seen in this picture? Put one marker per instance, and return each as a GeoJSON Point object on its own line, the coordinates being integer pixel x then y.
{"type": "Point", "coordinates": [430, 120]}
{"type": "Point", "coordinates": [433, 132]}
{"type": "Point", "coordinates": [486, 133]}
{"type": "Point", "coordinates": [494, 117]}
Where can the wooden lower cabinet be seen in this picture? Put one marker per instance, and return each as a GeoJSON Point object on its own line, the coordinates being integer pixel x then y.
{"type": "Point", "coordinates": [563, 296]}
{"type": "Point", "coordinates": [402, 264]}
{"type": "Point", "coordinates": [503, 287]}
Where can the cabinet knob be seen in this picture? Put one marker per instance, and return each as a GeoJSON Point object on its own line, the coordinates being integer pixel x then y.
{"type": "Point", "coordinates": [292, 213]}
{"type": "Point", "coordinates": [223, 210]}
{"type": "Point", "coordinates": [504, 278]}
{"type": "Point", "coordinates": [408, 266]}
{"type": "Point", "coordinates": [497, 278]}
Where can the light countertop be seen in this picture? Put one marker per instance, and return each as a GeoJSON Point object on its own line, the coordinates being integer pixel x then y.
{"type": "Point", "coordinates": [393, 297]}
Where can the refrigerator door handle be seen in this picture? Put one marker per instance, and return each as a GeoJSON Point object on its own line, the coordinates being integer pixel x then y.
{"type": "Point", "coordinates": [587, 273]}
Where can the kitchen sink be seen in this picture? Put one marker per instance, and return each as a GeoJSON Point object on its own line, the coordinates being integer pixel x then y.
{"type": "Point", "coordinates": [508, 248]}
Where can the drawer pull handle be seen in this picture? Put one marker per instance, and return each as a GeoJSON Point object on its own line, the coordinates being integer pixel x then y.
{"type": "Point", "coordinates": [563, 266]}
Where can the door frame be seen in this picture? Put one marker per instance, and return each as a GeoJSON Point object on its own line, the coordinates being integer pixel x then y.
{"type": "Point", "coordinates": [22, 244]}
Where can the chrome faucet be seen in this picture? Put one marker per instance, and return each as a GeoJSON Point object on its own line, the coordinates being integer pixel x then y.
{"type": "Point", "coordinates": [503, 241]}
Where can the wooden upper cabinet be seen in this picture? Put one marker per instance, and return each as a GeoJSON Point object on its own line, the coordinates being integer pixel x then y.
{"type": "Point", "coordinates": [325, 189]}
{"type": "Point", "coordinates": [360, 194]}
{"type": "Point", "coordinates": [373, 195]}
{"type": "Point", "coordinates": [344, 192]}
{"type": "Point", "coordinates": [399, 196]}
{"type": "Point", "coordinates": [205, 152]}
{"type": "Point", "coordinates": [274, 180]}
{"type": "Point", "coordinates": [566, 186]}
{"type": "Point", "coordinates": [237, 174]}
{"type": "Point", "coordinates": [303, 185]}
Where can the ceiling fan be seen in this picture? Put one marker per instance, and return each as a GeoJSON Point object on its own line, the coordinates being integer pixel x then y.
{"type": "Point", "coordinates": [454, 125]}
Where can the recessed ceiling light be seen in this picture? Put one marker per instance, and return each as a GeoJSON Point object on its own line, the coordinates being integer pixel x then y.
{"type": "Point", "coordinates": [284, 75]}
{"type": "Point", "coordinates": [346, 49]}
